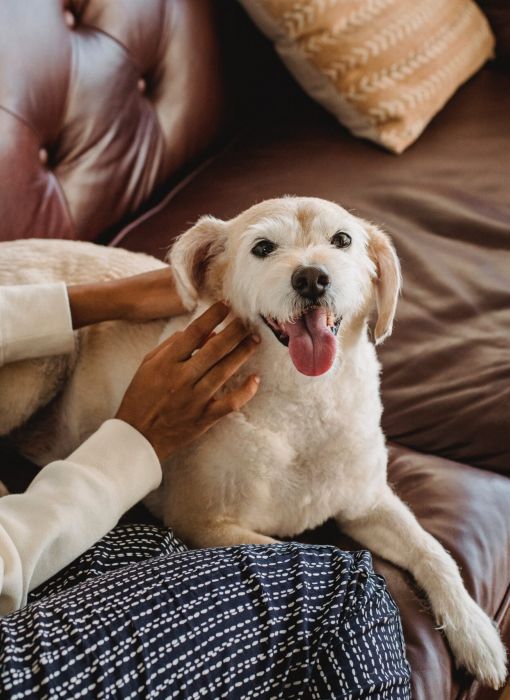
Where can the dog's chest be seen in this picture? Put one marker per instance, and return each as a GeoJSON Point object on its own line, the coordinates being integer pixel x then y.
{"type": "Point", "coordinates": [312, 452]}
{"type": "Point", "coordinates": [293, 457]}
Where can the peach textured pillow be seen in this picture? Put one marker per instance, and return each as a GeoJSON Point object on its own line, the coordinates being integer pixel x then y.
{"type": "Point", "coordinates": [383, 67]}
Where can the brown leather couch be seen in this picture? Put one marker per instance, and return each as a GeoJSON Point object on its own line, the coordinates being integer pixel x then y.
{"type": "Point", "coordinates": [122, 121]}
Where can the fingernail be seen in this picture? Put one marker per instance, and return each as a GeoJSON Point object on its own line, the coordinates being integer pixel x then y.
{"type": "Point", "coordinates": [256, 379]}
{"type": "Point", "coordinates": [255, 337]}
{"type": "Point", "coordinates": [225, 303]}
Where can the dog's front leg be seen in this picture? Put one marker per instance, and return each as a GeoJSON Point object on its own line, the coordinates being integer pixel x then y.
{"type": "Point", "coordinates": [392, 531]}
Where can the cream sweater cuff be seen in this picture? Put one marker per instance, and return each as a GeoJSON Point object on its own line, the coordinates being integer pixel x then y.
{"type": "Point", "coordinates": [35, 321]}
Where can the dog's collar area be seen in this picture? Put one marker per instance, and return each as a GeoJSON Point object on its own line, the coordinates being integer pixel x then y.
{"type": "Point", "coordinates": [281, 335]}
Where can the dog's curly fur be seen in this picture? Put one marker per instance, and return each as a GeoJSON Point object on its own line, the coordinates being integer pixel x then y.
{"type": "Point", "coordinates": [304, 449]}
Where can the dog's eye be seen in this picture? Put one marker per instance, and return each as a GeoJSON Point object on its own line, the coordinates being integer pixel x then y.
{"type": "Point", "coordinates": [263, 248]}
{"type": "Point", "coordinates": [341, 240]}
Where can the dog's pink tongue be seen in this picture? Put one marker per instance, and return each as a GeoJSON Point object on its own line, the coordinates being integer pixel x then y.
{"type": "Point", "coordinates": [312, 345]}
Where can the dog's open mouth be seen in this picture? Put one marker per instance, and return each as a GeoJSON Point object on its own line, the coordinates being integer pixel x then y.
{"type": "Point", "coordinates": [310, 339]}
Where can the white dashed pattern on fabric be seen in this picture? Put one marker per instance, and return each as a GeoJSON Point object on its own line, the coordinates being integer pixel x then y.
{"type": "Point", "coordinates": [140, 616]}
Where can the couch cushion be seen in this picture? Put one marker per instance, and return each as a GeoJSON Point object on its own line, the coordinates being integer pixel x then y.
{"type": "Point", "coordinates": [446, 202]}
{"type": "Point", "coordinates": [100, 103]}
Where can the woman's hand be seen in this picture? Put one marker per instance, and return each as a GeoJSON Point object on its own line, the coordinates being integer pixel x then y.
{"type": "Point", "coordinates": [171, 398]}
{"type": "Point", "coordinates": [142, 297]}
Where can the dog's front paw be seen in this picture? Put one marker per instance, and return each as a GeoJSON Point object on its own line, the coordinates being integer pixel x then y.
{"type": "Point", "coordinates": [477, 646]}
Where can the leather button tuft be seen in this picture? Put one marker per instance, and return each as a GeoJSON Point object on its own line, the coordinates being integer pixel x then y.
{"type": "Point", "coordinates": [142, 85]}
{"type": "Point", "coordinates": [43, 156]}
{"type": "Point", "coordinates": [70, 19]}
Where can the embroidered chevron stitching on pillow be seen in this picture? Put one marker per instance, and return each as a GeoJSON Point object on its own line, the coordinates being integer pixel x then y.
{"type": "Point", "coordinates": [383, 67]}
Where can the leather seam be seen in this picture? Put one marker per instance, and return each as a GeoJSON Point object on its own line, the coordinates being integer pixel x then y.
{"type": "Point", "coordinates": [24, 121]}
{"type": "Point", "coordinates": [172, 193]}
{"type": "Point", "coordinates": [125, 50]}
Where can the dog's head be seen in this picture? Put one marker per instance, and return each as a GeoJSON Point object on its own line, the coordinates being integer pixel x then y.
{"type": "Point", "coordinates": [295, 268]}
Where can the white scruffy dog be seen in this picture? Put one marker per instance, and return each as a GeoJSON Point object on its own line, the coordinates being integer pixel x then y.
{"type": "Point", "coordinates": [304, 273]}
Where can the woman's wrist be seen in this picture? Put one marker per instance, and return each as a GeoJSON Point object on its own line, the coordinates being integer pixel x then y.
{"type": "Point", "coordinates": [144, 297]}
{"type": "Point", "coordinates": [97, 302]}
{"type": "Point", "coordinates": [151, 295]}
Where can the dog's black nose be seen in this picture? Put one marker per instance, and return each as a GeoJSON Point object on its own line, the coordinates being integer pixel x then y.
{"type": "Point", "coordinates": [311, 281]}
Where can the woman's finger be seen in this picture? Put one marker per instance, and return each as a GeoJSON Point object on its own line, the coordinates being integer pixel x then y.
{"type": "Point", "coordinates": [211, 335]}
{"type": "Point", "coordinates": [182, 345]}
{"type": "Point", "coordinates": [217, 348]}
{"type": "Point", "coordinates": [233, 401]}
{"type": "Point", "coordinates": [222, 371]}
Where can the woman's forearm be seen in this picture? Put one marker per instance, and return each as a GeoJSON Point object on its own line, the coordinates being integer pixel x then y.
{"type": "Point", "coordinates": [143, 297]}
{"type": "Point", "coordinates": [37, 320]}
{"type": "Point", "coordinates": [69, 506]}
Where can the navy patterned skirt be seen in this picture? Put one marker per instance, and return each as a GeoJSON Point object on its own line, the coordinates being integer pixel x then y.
{"type": "Point", "coordinates": [140, 616]}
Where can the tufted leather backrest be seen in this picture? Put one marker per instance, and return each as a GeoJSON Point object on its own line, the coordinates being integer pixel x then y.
{"type": "Point", "coordinates": [101, 101]}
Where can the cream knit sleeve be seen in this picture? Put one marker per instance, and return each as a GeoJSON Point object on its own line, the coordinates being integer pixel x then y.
{"type": "Point", "coordinates": [72, 503]}
{"type": "Point", "coordinates": [35, 321]}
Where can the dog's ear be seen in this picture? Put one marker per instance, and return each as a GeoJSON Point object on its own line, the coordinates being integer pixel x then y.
{"type": "Point", "coordinates": [388, 280]}
{"type": "Point", "coordinates": [191, 255]}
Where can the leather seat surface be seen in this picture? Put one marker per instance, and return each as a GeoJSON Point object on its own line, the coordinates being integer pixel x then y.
{"type": "Point", "coordinates": [446, 370]}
